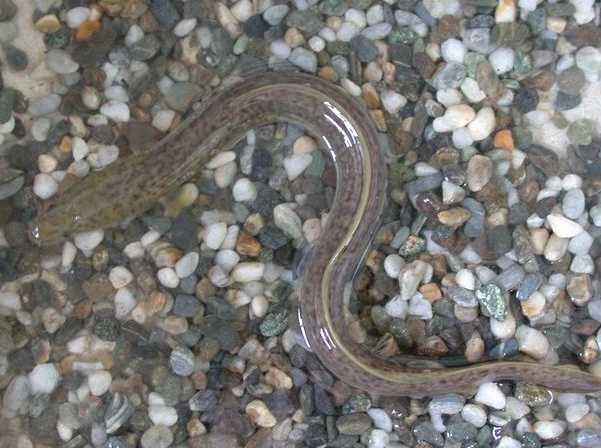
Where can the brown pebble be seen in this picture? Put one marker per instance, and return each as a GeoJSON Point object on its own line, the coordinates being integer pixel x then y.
{"type": "Point", "coordinates": [431, 292]}
{"type": "Point", "coordinates": [248, 245]}
{"type": "Point", "coordinates": [328, 73]}
{"type": "Point", "coordinates": [454, 217]}
{"type": "Point", "coordinates": [87, 29]}
{"type": "Point", "coordinates": [370, 95]}
{"type": "Point", "coordinates": [433, 346]}
{"type": "Point", "coordinates": [378, 116]}
{"type": "Point", "coordinates": [504, 140]}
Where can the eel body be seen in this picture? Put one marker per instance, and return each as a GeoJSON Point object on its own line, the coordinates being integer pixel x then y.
{"type": "Point", "coordinates": [132, 185]}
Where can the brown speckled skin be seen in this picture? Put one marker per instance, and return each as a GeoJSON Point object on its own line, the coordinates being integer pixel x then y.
{"type": "Point", "coordinates": [132, 185]}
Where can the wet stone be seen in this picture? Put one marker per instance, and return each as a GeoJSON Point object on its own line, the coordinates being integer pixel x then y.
{"type": "Point", "coordinates": [510, 278]}
{"type": "Point", "coordinates": [533, 395]}
{"type": "Point", "coordinates": [526, 100]}
{"type": "Point", "coordinates": [165, 12]}
{"type": "Point", "coordinates": [107, 328]}
{"type": "Point", "coordinates": [353, 424]}
{"type": "Point", "coordinates": [492, 301]}
{"type": "Point", "coordinates": [16, 58]}
{"type": "Point", "coordinates": [366, 50]}
{"type": "Point", "coordinates": [425, 432]}
{"type": "Point", "coordinates": [500, 239]}
{"type": "Point", "coordinates": [528, 285]}
{"type": "Point", "coordinates": [505, 349]}
{"type": "Point", "coordinates": [186, 305]}
{"type": "Point", "coordinates": [565, 101]}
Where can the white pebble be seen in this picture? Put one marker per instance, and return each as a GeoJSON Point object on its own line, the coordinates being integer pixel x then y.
{"type": "Point", "coordinates": [88, 241]}
{"type": "Point", "coordinates": [449, 97]}
{"type": "Point", "coordinates": [76, 16]}
{"type": "Point", "coordinates": [125, 302]}
{"type": "Point", "coordinates": [392, 101]}
{"type": "Point", "coordinates": [296, 164]}
{"type": "Point", "coordinates": [304, 145]}
{"type": "Point", "coordinates": [120, 276]}
{"type": "Point", "coordinates": [490, 395]}
{"type": "Point", "coordinates": [221, 159]}
{"type": "Point", "coordinates": [244, 190]}
{"type": "Point", "coordinates": [563, 227]}
{"type": "Point", "coordinates": [225, 174]}
{"type": "Point", "coordinates": [168, 278]}
{"type": "Point", "coordinates": [483, 124]}
{"type": "Point", "coordinates": [571, 181]}
{"type": "Point", "coordinates": [134, 34]}
{"type": "Point", "coordinates": [397, 307]}
{"type": "Point", "coordinates": [474, 414]}
{"type": "Point", "coordinates": [214, 235]}
{"type": "Point", "coordinates": [184, 27]}
{"type": "Point", "coordinates": [378, 439]}
{"type": "Point", "coordinates": [243, 10]}
{"type": "Point", "coordinates": [116, 111]}
{"type": "Point", "coordinates": [99, 382]}
{"type": "Point", "coordinates": [186, 265]}
{"type": "Point", "coordinates": [317, 44]}
{"type": "Point", "coordinates": [47, 163]}
{"type": "Point", "coordinates": [455, 117]}
{"type": "Point", "coordinates": [79, 148]}
{"type": "Point", "coordinates": [516, 408]}
{"type": "Point", "coordinates": [259, 306]}
{"type": "Point", "coordinates": [509, 442]}
{"type": "Point", "coordinates": [466, 279]}
{"type": "Point", "coordinates": [163, 119]}
{"type": "Point", "coordinates": [576, 412]}
{"type": "Point", "coordinates": [280, 49]}
{"type": "Point", "coordinates": [356, 17]}
{"type": "Point", "coordinates": [381, 419]}
{"type": "Point", "coordinates": [392, 265]}
{"type": "Point", "coordinates": [43, 379]}
{"type": "Point", "coordinates": [549, 429]}
{"type": "Point", "coordinates": [248, 272]}
{"type": "Point", "coordinates": [453, 50]}
{"type": "Point", "coordinates": [502, 60]}
{"type": "Point", "coordinates": [532, 342]}
{"type": "Point", "coordinates": [162, 415]}
{"type": "Point", "coordinates": [227, 259]}
{"type": "Point", "coordinates": [420, 307]}
{"type": "Point", "coordinates": [44, 186]}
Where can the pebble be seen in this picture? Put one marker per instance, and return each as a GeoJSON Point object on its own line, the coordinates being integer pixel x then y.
{"type": "Point", "coordinates": [76, 16]}
{"type": "Point", "coordinates": [573, 203]}
{"type": "Point", "coordinates": [454, 117]}
{"type": "Point", "coordinates": [532, 342]}
{"type": "Point", "coordinates": [397, 307]}
{"type": "Point", "coordinates": [116, 111]}
{"type": "Point", "coordinates": [479, 172]}
{"type": "Point", "coordinates": [296, 164]}
{"type": "Point", "coordinates": [168, 278]}
{"type": "Point", "coordinates": [181, 361]}
{"type": "Point", "coordinates": [260, 415]}
{"type": "Point", "coordinates": [157, 436]}
{"type": "Point", "coordinates": [120, 276]}
{"type": "Point", "coordinates": [491, 395]}
{"type": "Point", "coordinates": [214, 235]}
{"type": "Point", "coordinates": [244, 190]}
{"type": "Point", "coordinates": [474, 414]}
{"type": "Point", "coordinates": [99, 382]}
{"type": "Point", "coordinates": [392, 101]}
{"type": "Point", "coordinates": [88, 241]}
{"type": "Point", "coordinates": [43, 379]}
{"type": "Point", "coordinates": [378, 439]}
{"type": "Point", "coordinates": [60, 62]}
{"type": "Point", "coordinates": [563, 227]}
{"type": "Point", "coordinates": [381, 419]}
{"type": "Point", "coordinates": [453, 50]}
{"type": "Point", "coordinates": [161, 414]}
{"type": "Point", "coordinates": [547, 430]}
{"type": "Point", "coordinates": [248, 272]}
{"type": "Point", "coordinates": [303, 59]}
{"type": "Point", "coordinates": [482, 125]}
{"type": "Point", "coordinates": [186, 265]}
{"type": "Point", "coordinates": [502, 60]}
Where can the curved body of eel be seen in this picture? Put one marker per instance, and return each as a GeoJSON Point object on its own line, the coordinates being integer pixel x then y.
{"type": "Point", "coordinates": [132, 185]}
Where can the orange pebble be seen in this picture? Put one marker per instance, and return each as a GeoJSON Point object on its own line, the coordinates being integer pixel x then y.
{"type": "Point", "coordinates": [87, 29]}
{"type": "Point", "coordinates": [504, 139]}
